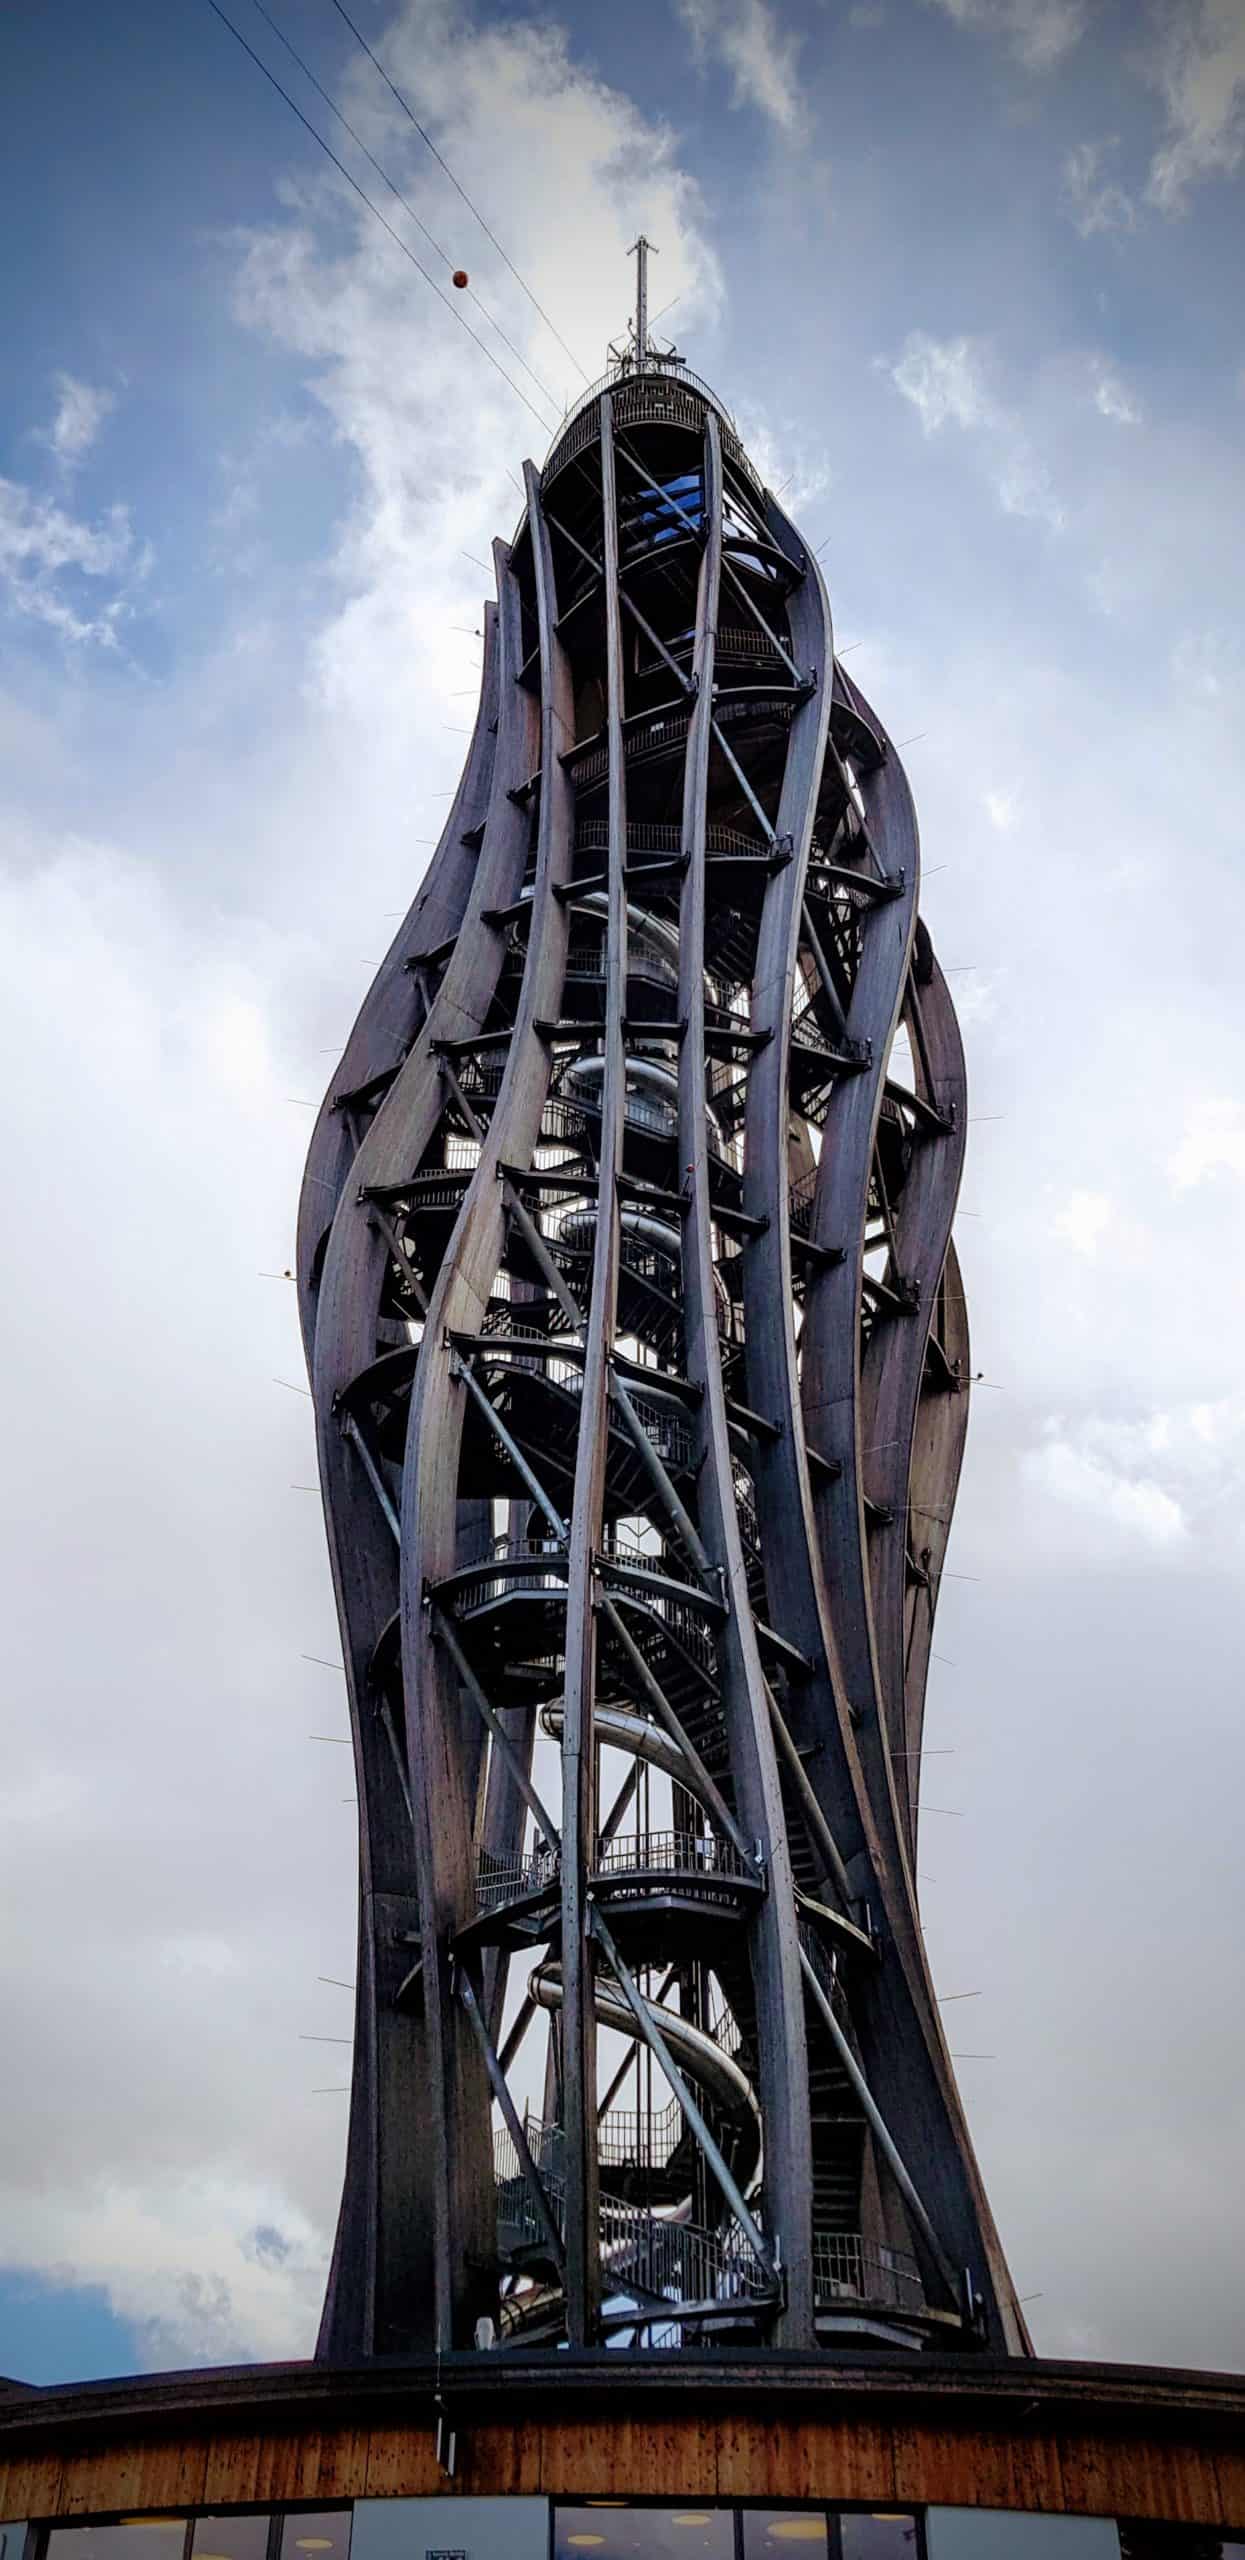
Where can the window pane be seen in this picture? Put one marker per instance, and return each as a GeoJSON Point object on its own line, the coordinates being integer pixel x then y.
{"type": "Point", "coordinates": [784, 2533]}
{"type": "Point", "coordinates": [230, 2538]}
{"type": "Point", "coordinates": [987, 2533]}
{"type": "Point", "coordinates": [325, 2536]}
{"type": "Point", "coordinates": [1176, 2542]}
{"type": "Point", "coordinates": [606, 2532]}
{"type": "Point", "coordinates": [134, 2538]}
{"type": "Point", "coordinates": [879, 2537]}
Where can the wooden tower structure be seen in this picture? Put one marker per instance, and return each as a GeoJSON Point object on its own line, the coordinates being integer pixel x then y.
{"type": "Point", "coordinates": [640, 1365]}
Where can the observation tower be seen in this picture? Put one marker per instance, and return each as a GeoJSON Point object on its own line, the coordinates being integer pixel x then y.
{"type": "Point", "coordinates": [640, 1364]}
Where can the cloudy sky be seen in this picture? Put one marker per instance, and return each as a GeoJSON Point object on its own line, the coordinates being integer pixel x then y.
{"type": "Point", "coordinates": [968, 272]}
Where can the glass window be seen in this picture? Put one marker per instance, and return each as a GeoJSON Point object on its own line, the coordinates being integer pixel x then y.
{"type": "Point", "coordinates": [1177, 2542]}
{"type": "Point", "coordinates": [323, 2536]}
{"type": "Point", "coordinates": [886, 2535]}
{"type": "Point", "coordinates": [231, 2537]}
{"type": "Point", "coordinates": [791, 2533]}
{"type": "Point", "coordinates": [613, 2532]}
{"type": "Point", "coordinates": [451, 2529]}
{"type": "Point", "coordinates": [992, 2533]}
{"type": "Point", "coordinates": [130, 2538]}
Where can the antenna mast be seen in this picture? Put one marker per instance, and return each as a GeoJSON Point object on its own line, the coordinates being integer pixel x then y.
{"type": "Point", "coordinates": [639, 251]}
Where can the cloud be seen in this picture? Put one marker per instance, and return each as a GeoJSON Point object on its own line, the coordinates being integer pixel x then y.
{"type": "Point", "coordinates": [268, 2245]}
{"type": "Point", "coordinates": [1207, 664]}
{"type": "Point", "coordinates": [1072, 1471]}
{"type": "Point", "coordinates": [1111, 396]}
{"type": "Point", "coordinates": [1213, 1142]}
{"type": "Point", "coordinates": [762, 58]}
{"type": "Point", "coordinates": [1084, 1220]}
{"type": "Point", "coordinates": [1093, 201]}
{"type": "Point", "coordinates": [1197, 64]}
{"type": "Point", "coordinates": [192, 899]}
{"type": "Point", "coordinates": [174, 966]}
{"type": "Point", "coordinates": [949, 383]}
{"type": "Point", "coordinates": [945, 381]}
{"type": "Point", "coordinates": [81, 410]}
{"type": "Point", "coordinates": [796, 471]}
{"type": "Point", "coordinates": [1038, 32]}
{"type": "Point", "coordinates": [41, 545]}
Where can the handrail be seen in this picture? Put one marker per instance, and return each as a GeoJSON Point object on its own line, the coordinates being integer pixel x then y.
{"type": "Point", "coordinates": [655, 369]}
{"type": "Point", "coordinates": [698, 1853]}
{"type": "Point", "coordinates": [848, 2267]}
{"type": "Point", "coordinates": [650, 836]}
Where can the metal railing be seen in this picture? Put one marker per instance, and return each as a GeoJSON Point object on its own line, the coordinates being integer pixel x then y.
{"type": "Point", "coordinates": [593, 836]}
{"type": "Point", "coordinates": [647, 2140]}
{"type": "Point", "coordinates": [725, 2029]}
{"type": "Point", "coordinates": [685, 1853]}
{"type": "Point", "coordinates": [623, 1547]}
{"type": "Point", "coordinates": [480, 1078]}
{"type": "Point", "coordinates": [800, 1201]}
{"type": "Point", "coordinates": [667, 1615]}
{"type": "Point", "coordinates": [497, 1883]}
{"type": "Point", "coordinates": [551, 1355]}
{"type": "Point", "coordinates": [806, 1032]}
{"type": "Point", "coordinates": [653, 397]}
{"type": "Point", "coordinates": [590, 764]}
{"type": "Point", "coordinates": [518, 1564]}
{"type": "Point", "coordinates": [847, 2268]}
{"type": "Point", "coordinates": [587, 960]}
{"type": "Point", "coordinates": [825, 1966]}
{"type": "Point", "coordinates": [563, 1124]}
{"type": "Point", "coordinates": [437, 1190]}
{"type": "Point", "coordinates": [641, 2251]}
{"type": "Point", "coordinates": [670, 1437]}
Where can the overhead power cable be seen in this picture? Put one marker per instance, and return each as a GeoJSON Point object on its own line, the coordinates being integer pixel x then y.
{"type": "Point", "coordinates": [404, 201]}
{"type": "Point", "coordinates": [443, 163]}
{"type": "Point", "coordinates": [386, 225]}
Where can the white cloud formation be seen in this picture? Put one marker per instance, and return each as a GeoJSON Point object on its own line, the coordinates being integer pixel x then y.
{"type": "Point", "coordinates": [1111, 395]}
{"type": "Point", "coordinates": [1071, 1469]}
{"type": "Point", "coordinates": [945, 381]}
{"type": "Point", "coordinates": [1084, 1220]}
{"type": "Point", "coordinates": [1207, 665]}
{"type": "Point", "coordinates": [762, 57]}
{"type": "Point", "coordinates": [949, 382]}
{"type": "Point", "coordinates": [41, 544]}
{"type": "Point", "coordinates": [167, 986]}
{"type": "Point", "coordinates": [1091, 199]}
{"type": "Point", "coordinates": [81, 409]}
{"type": "Point", "coordinates": [1198, 66]}
{"type": "Point", "coordinates": [1213, 1141]}
{"type": "Point", "coordinates": [1038, 32]}
{"type": "Point", "coordinates": [798, 476]}
{"type": "Point", "coordinates": [177, 972]}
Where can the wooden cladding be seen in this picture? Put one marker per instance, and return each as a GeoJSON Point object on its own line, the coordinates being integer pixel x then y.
{"type": "Point", "coordinates": [1183, 2465]}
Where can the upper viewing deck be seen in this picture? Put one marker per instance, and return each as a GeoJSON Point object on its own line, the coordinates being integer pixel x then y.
{"type": "Point", "coordinates": [661, 392]}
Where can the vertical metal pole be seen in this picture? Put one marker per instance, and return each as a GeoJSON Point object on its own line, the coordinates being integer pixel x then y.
{"type": "Point", "coordinates": [640, 252]}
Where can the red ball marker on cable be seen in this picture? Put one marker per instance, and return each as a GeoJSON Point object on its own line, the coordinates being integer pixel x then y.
{"type": "Point", "coordinates": [460, 278]}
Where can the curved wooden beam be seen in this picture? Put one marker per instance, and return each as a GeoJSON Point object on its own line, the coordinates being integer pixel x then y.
{"type": "Point", "coordinates": [894, 1362]}
{"type": "Point", "coordinates": [390, 1014]}
{"type": "Point", "coordinates": [441, 1740]}
{"type": "Point", "coordinates": [782, 2057]}
{"type": "Point", "coordinates": [382, 2267]}
{"type": "Point", "coordinates": [579, 2013]}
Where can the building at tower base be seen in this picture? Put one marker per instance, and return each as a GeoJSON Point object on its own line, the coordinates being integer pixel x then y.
{"type": "Point", "coordinates": [609, 2456]}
